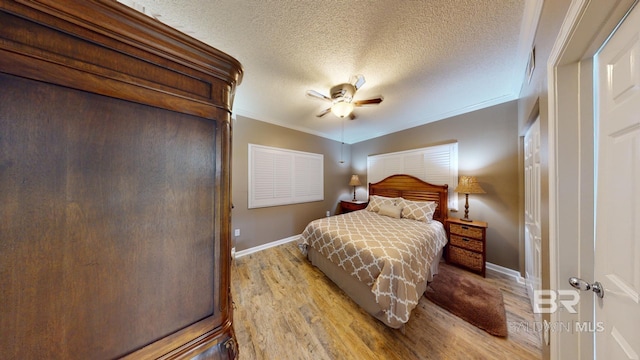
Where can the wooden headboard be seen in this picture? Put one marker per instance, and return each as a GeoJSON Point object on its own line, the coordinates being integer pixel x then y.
{"type": "Point", "coordinates": [412, 188]}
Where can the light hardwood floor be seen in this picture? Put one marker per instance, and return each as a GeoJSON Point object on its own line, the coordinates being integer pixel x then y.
{"type": "Point", "coordinates": [285, 308]}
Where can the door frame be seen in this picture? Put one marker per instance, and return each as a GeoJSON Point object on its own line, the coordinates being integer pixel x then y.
{"type": "Point", "coordinates": [533, 280]}
{"type": "Point", "coordinates": [570, 71]}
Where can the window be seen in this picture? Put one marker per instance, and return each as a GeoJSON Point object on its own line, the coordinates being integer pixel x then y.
{"type": "Point", "coordinates": [434, 164]}
{"type": "Point", "coordinates": [281, 176]}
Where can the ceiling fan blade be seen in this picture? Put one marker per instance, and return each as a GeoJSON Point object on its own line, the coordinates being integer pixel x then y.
{"type": "Point", "coordinates": [372, 101]}
{"type": "Point", "coordinates": [357, 81]}
{"type": "Point", "coordinates": [324, 112]}
{"type": "Point", "coordinates": [315, 94]}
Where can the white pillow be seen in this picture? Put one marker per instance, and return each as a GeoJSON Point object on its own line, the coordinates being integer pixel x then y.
{"type": "Point", "coordinates": [375, 201]}
{"type": "Point", "coordinates": [393, 211]}
{"type": "Point", "coordinates": [418, 210]}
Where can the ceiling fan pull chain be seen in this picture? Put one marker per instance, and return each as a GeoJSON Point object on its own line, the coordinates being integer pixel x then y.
{"type": "Point", "coordinates": [342, 144]}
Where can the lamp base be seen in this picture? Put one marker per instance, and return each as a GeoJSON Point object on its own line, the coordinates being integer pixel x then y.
{"type": "Point", "coordinates": [466, 209]}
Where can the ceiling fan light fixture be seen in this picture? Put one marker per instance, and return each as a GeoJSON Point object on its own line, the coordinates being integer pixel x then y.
{"type": "Point", "coordinates": [342, 109]}
{"type": "Point", "coordinates": [341, 97]}
{"type": "Point", "coordinates": [342, 92]}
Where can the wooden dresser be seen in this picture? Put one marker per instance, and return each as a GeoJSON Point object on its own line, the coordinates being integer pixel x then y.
{"type": "Point", "coordinates": [115, 201]}
{"type": "Point", "coordinates": [350, 205]}
{"type": "Point", "coordinates": [467, 244]}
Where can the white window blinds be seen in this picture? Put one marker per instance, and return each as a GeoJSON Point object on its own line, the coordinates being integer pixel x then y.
{"type": "Point", "coordinates": [434, 164]}
{"type": "Point", "coordinates": [282, 176]}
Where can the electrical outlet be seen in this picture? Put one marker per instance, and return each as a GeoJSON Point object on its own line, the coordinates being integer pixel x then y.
{"type": "Point", "coordinates": [328, 213]}
{"type": "Point", "coordinates": [237, 232]}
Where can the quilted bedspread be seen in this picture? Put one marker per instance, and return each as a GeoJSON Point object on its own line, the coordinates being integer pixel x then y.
{"type": "Point", "coordinates": [390, 255]}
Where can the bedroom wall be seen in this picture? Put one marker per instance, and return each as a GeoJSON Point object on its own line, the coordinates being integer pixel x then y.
{"type": "Point", "coordinates": [533, 102]}
{"type": "Point", "coordinates": [487, 148]}
{"type": "Point", "coordinates": [264, 225]}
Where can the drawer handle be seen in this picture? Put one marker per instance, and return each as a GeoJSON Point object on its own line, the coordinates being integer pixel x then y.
{"type": "Point", "coordinates": [465, 227]}
{"type": "Point", "coordinates": [465, 239]}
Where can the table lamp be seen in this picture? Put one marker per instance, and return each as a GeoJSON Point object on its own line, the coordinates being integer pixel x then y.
{"type": "Point", "coordinates": [355, 181]}
{"type": "Point", "coordinates": [468, 185]}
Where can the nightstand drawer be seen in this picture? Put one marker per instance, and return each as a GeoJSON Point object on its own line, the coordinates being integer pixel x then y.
{"type": "Point", "coordinates": [469, 259]}
{"type": "Point", "coordinates": [467, 231]}
{"type": "Point", "coordinates": [467, 243]}
{"type": "Point", "coordinates": [348, 206]}
{"type": "Point", "coordinates": [467, 246]}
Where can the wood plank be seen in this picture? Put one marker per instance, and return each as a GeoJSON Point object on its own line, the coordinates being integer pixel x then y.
{"type": "Point", "coordinates": [285, 308]}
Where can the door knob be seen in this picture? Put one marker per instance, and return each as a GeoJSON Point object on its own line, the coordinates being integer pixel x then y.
{"type": "Point", "coordinates": [585, 286]}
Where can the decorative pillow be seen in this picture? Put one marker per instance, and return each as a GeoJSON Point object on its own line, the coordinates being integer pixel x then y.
{"type": "Point", "coordinates": [393, 211]}
{"type": "Point", "coordinates": [418, 210]}
{"type": "Point", "coordinates": [375, 201]}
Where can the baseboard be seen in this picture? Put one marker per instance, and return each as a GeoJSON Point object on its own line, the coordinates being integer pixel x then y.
{"type": "Point", "coordinates": [255, 249]}
{"type": "Point", "coordinates": [505, 271]}
{"type": "Point", "coordinates": [490, 266]}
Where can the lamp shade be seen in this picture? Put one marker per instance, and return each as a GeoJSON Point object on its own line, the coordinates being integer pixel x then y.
{"type": "Point", "coordinates": [342, 109]}
{"type": "Point", "coordinates": [469, 185]}
{"type": "Point", "coordinates": [355, 181]}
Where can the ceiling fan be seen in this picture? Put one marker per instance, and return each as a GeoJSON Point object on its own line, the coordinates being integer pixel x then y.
{"type": "Point", "coordinates": [341, 96]}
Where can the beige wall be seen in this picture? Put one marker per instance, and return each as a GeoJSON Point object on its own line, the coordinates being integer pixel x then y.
{"type": "Point", "coordinates": [263, 225]}
{"type": "Point", "coordinates": [487, 148]}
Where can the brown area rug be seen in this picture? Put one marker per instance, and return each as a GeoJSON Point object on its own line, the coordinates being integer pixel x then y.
{"type": "Point", "coordinates": [470, 298]}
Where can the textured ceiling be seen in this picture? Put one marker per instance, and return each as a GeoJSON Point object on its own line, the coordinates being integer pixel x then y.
{"type": "Point", "coordinates": [430, 59]}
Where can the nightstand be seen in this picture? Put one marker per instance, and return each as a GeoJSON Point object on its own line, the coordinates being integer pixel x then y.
{"type": "Point", "coordinates": [350, 205]}
{"type": "Point", "coordinates": [467, 245]}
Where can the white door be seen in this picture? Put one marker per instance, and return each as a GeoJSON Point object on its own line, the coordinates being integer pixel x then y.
{"type": "Point", "coordinates": [617, 249]}
{"type": "Point", "coordinates": [532, 229]}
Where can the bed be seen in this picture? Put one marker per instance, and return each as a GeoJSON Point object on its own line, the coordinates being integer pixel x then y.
{"type": "Point", "coordinates": [380, 258]}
